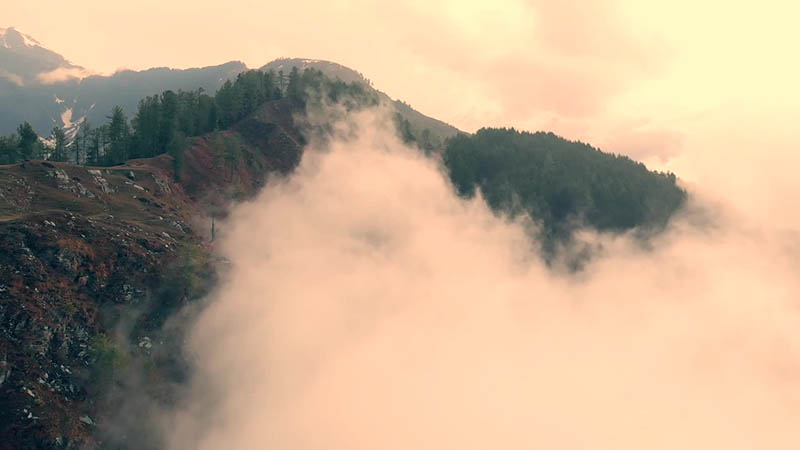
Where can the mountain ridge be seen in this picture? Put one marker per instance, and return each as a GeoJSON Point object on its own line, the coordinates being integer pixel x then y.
{"type": "Point", "coordinates": [81, 95]}
{"type": "Point", "coordinates": [439, 130]}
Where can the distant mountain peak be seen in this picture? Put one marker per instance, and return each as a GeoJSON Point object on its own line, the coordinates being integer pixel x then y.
{"type": "Point", "coordinates": [24, 61]}
{"type": "Point", "coordinates": [330, 68]}
{"type": "Point", "coordinates": [11, 38]}
{"type": "Point", "coordinates": [437, 130]}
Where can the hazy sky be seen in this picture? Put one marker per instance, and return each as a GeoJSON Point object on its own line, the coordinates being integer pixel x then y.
{"type": "Point", "coordinates": [679, 84]}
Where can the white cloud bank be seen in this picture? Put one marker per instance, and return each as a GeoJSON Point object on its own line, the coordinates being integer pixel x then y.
{"type": "Point", "coordinates": [14, 78]}
{"type": "Point", "coordinates": [367, 307]}
{"type": "Point", "coordinates": [63, 74]}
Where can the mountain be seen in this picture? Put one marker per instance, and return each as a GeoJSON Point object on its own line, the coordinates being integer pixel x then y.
{"type": "Point", "coordinates": [66, 103]}
{"type": "Point", "coordinates": [98, 264]}
{"type": "Point", "coordinates": [438, 131]}
{"type": "Point", "coordinates": [25, 61]}
{"type": "Point", "coordinates": [29, 73]}
{"type": "Point", "coordinates": [40, 86]}
{"type": "Point", "coordinates": [94, 97]}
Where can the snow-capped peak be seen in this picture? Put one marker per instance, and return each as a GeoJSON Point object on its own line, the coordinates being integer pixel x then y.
{"type": "Point", "coordinates": [11, 38]}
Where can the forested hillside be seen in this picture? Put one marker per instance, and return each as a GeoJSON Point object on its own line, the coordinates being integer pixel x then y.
{"type": "Point", "coordinates": [561, 184]}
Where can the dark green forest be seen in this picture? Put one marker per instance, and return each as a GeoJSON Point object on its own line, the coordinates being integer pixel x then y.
{"type": "Point", "coordinates": [560, 183]}
{"type": "Point", "coordinates": [163, 123]}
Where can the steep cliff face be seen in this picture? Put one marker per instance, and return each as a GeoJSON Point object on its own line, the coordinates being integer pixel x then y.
{"type": "Point", "coordinates": [94, 262]}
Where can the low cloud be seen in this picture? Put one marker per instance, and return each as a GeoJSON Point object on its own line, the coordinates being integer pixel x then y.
{"type": "Point", "coordinates": [368, 307]}
{"type": "Point", "coordinates": [16, 79]}
{"type": "Point", "coordinates": [63, 74]}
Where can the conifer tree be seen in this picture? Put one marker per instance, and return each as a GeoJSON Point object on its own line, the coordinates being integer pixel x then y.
{"type": "Point", "coordinates": [28, 140]}
{"type": "Point", "coordinates": [59, 151]}
{"type": "Point", "coordinates": [118, 136]}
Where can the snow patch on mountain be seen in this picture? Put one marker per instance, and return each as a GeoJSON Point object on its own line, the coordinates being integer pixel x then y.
{"type": "Point", "coordinates": [47, 142]}
{"type": "Point", "coordinates": [30, 42]}
{"type": "Point", "coordinates": [71, 127]}
{"type": "Point", "coordinates": [66, 118]}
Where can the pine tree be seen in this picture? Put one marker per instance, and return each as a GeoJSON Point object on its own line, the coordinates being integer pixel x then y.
{"type": "Point", "coordinates": [294, 90]}
{"type": "Point", "coordinates": [82, 142]}
{"type": "Point", "coordinates": [168, 121]}
{"type": "Point", "coordinates": [93, 146]}
{"type": "Point", "coordinates": [118, 136]}
{"type": "Point", "coordinates": [59, 139]}
{"type": "Point", "coordinates": [28, 141]}
{"type": "Point", "coordinates": [9, 149]}
{"type": "Point", "coordinates": [146, 125]}
{"type": "Point", "coordinates": [224, 102]}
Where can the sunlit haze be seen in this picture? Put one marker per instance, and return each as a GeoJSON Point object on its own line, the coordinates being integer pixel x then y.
{"type": "Point", "coordinates": [282, 263]}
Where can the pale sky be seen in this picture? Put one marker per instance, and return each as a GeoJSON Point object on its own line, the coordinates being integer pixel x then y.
{"type": "Point", "coordinates": [680, 84]}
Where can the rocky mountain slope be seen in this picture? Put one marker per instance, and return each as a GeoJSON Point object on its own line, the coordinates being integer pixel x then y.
{"type": "Point", "coordinates": [93, 261]}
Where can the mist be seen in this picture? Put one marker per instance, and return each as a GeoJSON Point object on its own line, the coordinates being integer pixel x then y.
{"type": "Point", "coordinates": [366, 306]}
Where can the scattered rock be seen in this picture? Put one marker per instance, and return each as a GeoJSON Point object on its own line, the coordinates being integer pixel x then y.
{"type": "Point", "coordinates": [65, 183]}
{"type": "Point", "coordinates": [146, 343]}
{"type": "Point", "coordinates": [59, 175]}
{"type": "Point", "coordinates": [5, 370]}
{"type": "Point", "coordinates": [100, 181]}
{"type": "Point", "coordinates": [164, 185]}
{"type": "Point", "coordinates": [135, 186]}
